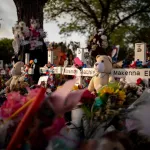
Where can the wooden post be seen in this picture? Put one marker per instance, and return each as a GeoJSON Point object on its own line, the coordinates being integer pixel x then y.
{"type": "Point", "coordinates": [27, 58]}
{"type": "Point", "coordinates": [50, 57]}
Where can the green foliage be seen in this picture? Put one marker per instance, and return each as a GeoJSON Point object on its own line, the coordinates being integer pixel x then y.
{"type": "Point", "coordinates": [84, 15]}
{"type": "Point", "coordinates": [6, 50]}
{"type": "Point", "coordinates": [86, 110]}
{"type": "Point", "coordinates": [124, 21]}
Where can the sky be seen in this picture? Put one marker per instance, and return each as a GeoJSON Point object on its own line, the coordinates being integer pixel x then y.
{"type": "Point", "coordinates": [9, 17]}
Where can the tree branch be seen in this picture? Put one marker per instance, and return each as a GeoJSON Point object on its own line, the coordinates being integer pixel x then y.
{"type": "Point", "coordinates": [68, 10]}
{"type": "Point", "coordinates": [93, 14]}
{"type": "Point", "coordinates": [105, 10]}
{"type": "Point", "coordinates": [142, 10]}
{"type": "Point", "coordinates": [102, 4]}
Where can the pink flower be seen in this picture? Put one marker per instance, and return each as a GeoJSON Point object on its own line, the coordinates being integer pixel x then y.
{"type": "Point", "coordinates": [78, 62]}
{"type": "Point", "coordinates": [139, 81]}
{"type": "Point", "coordinates": [32, 93]}
{"type": "Point", "coordinates": [63, 100]}
{"type": "Point", "coordinates": [15, 101]}
{"type": "Point", "coordinates": [88, 97]}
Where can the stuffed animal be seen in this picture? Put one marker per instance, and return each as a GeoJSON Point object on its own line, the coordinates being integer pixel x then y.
{"type": "Point", "coordinates": [16, 75]}
{"type": "Point", "coordinates": [103, 76]}
{"type": "Point", "coordinates": [24, 29]}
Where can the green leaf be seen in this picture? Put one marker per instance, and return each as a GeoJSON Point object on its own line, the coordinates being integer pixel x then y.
{"type": "Point", "coordinates": [86, 111]}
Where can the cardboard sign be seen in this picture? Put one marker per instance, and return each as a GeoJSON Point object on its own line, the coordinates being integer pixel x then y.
{"type": "Point", "coordinates": [140, 51]}
{"type": "Point", "coordinates": [43, 78]}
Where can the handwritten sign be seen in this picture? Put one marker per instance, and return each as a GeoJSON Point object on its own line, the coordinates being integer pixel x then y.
{"type": "Point", "coordinates": [140, 51]}
{"type": "Point", "coordinates": [57, 70]}
{"type": "Point", "coordinates": [88, 72]}
{"type": "Point", "coordinates": [71, 71]}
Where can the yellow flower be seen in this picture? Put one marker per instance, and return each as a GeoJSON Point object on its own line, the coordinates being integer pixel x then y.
{"type": "Point", "coordinates": [116, 91]}
{"type": "Point", "coordinates": [59, 87]}
{"type": "Point", "coordinates": [121, 95]}
{"type": "Point", "coordinates": [75, 87]}
{"type": "Point", "coordinates": [106, 90]}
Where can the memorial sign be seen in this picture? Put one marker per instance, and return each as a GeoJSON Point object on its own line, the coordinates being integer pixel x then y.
{"type": "Point", "coordinates": [72, 71]}
{"type": "Point", "coordinates": [89, 72]}
{"type": "Point", "coordinates": [141, 73]}
{"type": "Point", "coordinates": [140, 51]}
{"type": "Point", "coordinates": [57, 70]}
{"type": "Point", "coordinates": [131, 75]}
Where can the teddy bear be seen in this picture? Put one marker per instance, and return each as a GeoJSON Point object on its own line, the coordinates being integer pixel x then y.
{"type": "Point", "coordinates": [17, 75]}
{"type": "Point", "coordinates": [103, 67]}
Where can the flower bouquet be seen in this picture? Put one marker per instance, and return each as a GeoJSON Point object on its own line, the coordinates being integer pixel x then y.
{"type": "Point", "coordinates": [25, 118]}
{"type": "Point", "coordinates": [107, 105]}
{"type": "Point", "coordinates": [109, 99]}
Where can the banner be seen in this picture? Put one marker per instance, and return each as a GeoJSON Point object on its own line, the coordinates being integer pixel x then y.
{"type": "Point", "coordinates": [141, 73]}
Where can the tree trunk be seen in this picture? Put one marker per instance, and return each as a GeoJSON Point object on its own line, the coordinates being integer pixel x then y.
{"type": "Point", "coordinates": [28, 9]}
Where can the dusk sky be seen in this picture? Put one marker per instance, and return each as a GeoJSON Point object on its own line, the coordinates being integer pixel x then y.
{"type": "Point", "coordinates": [9, 18]}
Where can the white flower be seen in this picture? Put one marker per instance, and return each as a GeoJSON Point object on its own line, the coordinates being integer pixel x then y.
{"type": "Point", "coordinates": [104, 37]}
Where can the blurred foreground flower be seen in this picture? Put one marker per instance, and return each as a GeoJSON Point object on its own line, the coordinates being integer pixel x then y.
{"type": "Point", "coordinates": [15, 101]}
{"type": "Point", "coordinates": [63, 100]}
{"type": "Point", "coordinates": [141, 114]}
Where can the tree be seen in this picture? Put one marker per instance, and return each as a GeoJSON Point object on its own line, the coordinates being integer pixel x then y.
{"type": "Point", "coordinates": [27, 9]}
{"type": "Point", "coordinates": [85, 15]}
{"type": "Point", "coordinates": [6, 50]}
